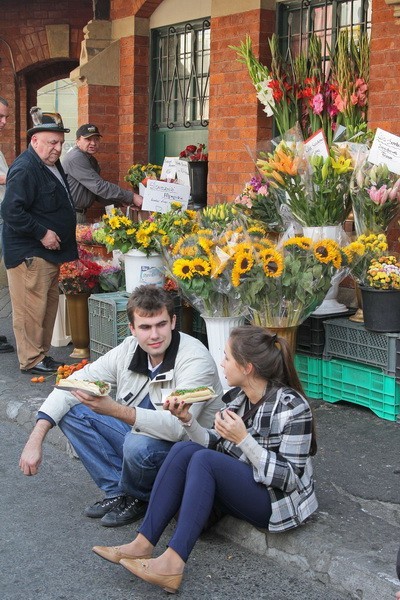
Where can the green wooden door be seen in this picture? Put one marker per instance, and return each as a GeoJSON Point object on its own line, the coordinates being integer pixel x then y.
{"type": "Point", "coordinates": [179, 88]}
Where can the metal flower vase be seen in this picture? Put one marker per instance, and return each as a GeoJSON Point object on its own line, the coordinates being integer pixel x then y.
{"type": "Point", "coordinates": [218, 330]}
{"type": "Point", "coordinates": [78, 313]}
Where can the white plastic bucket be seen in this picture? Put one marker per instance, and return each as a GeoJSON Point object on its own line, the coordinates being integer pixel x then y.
{"type": "Point", "coordinates": [143, 270]}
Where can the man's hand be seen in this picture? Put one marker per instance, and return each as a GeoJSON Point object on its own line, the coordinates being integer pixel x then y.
{"type": "Point", "coordinates": [31, 456]}
{"type": "Point", "coordinates": [137, 200]}
{"type": "Point", "coordinates": [105, 405]}
{"type": "Point", "coordinates": [51, 241]}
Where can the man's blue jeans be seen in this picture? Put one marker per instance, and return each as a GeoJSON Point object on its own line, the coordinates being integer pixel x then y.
{"type": "Point", "coordinates": [120, 462]}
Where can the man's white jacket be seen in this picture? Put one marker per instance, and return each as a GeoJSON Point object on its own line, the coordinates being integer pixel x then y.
{"type": "Point", "coordinates": [187, 364]}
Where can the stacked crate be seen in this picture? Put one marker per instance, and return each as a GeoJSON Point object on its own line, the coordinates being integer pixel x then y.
{"type": "Point", "coordinates": [309, 352]}
{"type": "Point", "coordinates": [362, 367]}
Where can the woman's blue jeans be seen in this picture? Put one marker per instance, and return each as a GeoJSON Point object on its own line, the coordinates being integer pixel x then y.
{"type": "Point", "coordinates": [190, 480]}
{"type": "Point", "coordinates": [120, 462]}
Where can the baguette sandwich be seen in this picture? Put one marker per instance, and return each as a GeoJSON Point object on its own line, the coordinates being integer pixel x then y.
{"type": "Point", "coordinates": [95, 388]}
{"type": "Point", "coordinates": [199, 394]}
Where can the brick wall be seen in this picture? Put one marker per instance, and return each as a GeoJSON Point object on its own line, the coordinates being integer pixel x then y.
{"type": "Point", "coordinates": [237, 122]}
{"type": "Point", "coordinates": [384, 108]}
{"type": "Point", "coordinates": [25, 48]}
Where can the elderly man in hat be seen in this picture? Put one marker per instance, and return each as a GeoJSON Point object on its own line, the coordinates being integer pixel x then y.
{"type": "Point", "coordinates": [83, 172]}
{"type": "Point", "coordinates": [38, 235]}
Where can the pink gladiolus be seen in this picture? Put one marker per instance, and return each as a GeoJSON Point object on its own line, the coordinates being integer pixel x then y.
{"type": "Point", "coordinates": [378, 196]}
{"type": "Point", "coordinates": [340, 103]}
{"type": "Point", "coordinates": [318, 104]}
{"type": "Point", "coordinates": [354, 99]}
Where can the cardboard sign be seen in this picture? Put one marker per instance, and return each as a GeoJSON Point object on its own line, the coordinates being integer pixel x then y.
{"type": "Point", "coordinates": [386, 149]}
{"type": "Point", "coordinates": [160, 194]}
{"type": "Point", "coordinates": [169, 166]}
{"type": "Point", "coordinates": [316, 145]}
{"type": "Point", "coordinates": [182, 172]}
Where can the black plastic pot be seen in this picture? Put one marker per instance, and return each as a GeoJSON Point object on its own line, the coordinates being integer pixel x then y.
{"type": "Point", "coordinates": [198, 172]}
{"type": "Point", "coordinates": [381, 309]}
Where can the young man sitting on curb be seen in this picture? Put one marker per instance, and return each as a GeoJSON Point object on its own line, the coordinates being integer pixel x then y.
{"type": "Point", "coordinates": [123, 443]}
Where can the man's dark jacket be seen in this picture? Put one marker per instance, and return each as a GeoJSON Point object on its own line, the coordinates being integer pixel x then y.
{"type": "Point", "coordinates": [35, 201]}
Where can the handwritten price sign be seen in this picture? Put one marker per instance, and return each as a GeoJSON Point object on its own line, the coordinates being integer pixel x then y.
{"type": "Point", "coordinates": [160, 194]}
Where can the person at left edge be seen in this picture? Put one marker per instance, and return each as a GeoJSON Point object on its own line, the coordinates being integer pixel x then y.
{"type": "Point", "coordinates": [4, 114]}
{"type": "Point", "coordinates": [38, 235]}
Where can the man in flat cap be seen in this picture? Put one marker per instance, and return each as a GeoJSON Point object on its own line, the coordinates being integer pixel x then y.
{"type": "Point", "coordinates": [38, 235]}
{"type": "Point", "coordinates": [83, 172]}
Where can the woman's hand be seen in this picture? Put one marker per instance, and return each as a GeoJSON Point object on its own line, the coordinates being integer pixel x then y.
{"type": "Point", "coordinates": [229, 426]}
{"type": "Point", "coordinates": [178, 408]}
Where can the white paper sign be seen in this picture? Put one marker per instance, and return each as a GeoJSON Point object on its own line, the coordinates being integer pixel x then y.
{"type": "Point", "coordinates": [142, 189]}
{"type": "Point", "coordinates": [386, 149]}
{"type": "Point", "coordinates": [316, 145]}
{"type": "Point", "coordinates": [160, 194]}
{"type": "Point", "coordinates": [168, 170]}
{"type": "Point", "coordinates": [182, 172]}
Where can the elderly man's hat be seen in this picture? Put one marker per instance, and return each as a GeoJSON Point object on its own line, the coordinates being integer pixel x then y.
{"type": "Point", "coordinates": [46, 121]}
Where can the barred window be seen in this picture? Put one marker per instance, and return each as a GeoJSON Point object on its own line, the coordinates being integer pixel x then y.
{"type": "Point", "coordinates": [298, 20]}
{"type": "Point", "coordinates": [180, 75]}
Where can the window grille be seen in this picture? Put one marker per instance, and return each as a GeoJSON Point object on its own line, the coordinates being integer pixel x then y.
{"type": "Point", "coordinates": [298, 20]}
{"type": "Point", "coordinates": [181, 76]}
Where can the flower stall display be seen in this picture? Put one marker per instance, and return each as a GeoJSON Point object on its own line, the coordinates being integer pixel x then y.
{"type": "Point", "coordinates": [78, 279]}
{"type": "Point", "coordinates": [208, 267]}
{"type": "Point", "coordinates": [79, 276]}
{"type": "Point", "coordinates": [316, 189]}
{"type": "Point", "coordinates": [301, 90]}
{"type": "Point", "coordinates": [293, 279]}
{"type": "Point", "coordinates": [381, 295]}
{"type": "Point", "coordinates": [139, 173]}
{"type": "Point", "coordinates": [194, 153]}
{"type": "Point", "coordinates": [260, 205]}
{"type": "Point", "coordinates": [91, 239]}
{"type": "Point", "coordinates": [368, 247]}
{"type": "Point", "coordinates": [384, 273]}
{"type": "Point", "coordinates": [122, 234]}
{"type": "Point", "coordinates": [375, 194]}
{"type": "Point", "coordinates": [197, 160]}
{"type": "Point", "coordinates": [173, 224]}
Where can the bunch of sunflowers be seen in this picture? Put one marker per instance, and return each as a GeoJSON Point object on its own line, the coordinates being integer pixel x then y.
{"type": "Point", "coordinates": [240, 271]}
{"type": "Point", "coordinates": [121, 233]}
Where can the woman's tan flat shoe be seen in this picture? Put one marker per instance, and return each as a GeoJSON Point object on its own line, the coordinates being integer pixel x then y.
{"type": "Point", "coordinates": [143, 569]}
{"type": "Point", "coordinates": [113, 553]}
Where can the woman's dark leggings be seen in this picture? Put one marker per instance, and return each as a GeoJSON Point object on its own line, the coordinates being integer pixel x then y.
{"type": "Point", "coordinates": [190, 480]}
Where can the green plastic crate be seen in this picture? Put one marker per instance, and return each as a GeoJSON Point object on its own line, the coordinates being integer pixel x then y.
{"type": "Point", "coordinates": [347, 340]}
{"type": "Point", "coordinates": [363, 385]}
{"type": "Point", "coordinates": [309, 370]}
{"type": "Point", "coordinates": [108, 322]}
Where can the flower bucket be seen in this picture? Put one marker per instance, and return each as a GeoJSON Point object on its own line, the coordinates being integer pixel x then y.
{"type": "Point", "coordinates": [78, 313]}
{"type": "Point", "coordinates": [143, 270]}
{"type": "Point", "coordinates": [381, 310]}
{"type": "Point", "coordinates": [218, 330]}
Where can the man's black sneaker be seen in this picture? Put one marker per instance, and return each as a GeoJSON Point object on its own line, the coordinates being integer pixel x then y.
{"type": "Point", "coordinates": [127, 511]}
{"type": "Point", "coordinates": [44, 367]}
{"type": "Point", "coordinates": [101, 508]}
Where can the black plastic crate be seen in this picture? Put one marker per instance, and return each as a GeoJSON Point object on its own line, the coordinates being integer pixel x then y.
{"type": "Point", "coordinates": [311, 333]}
